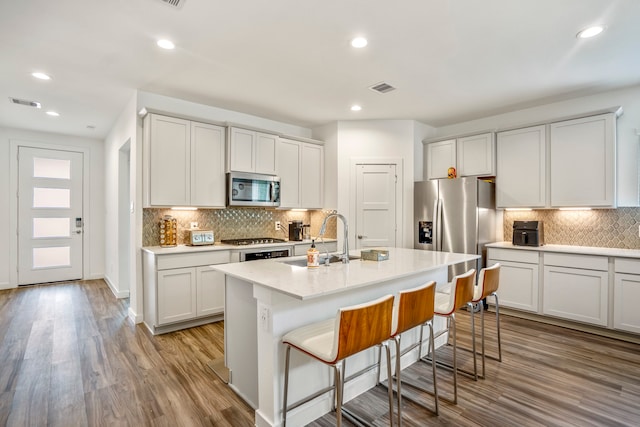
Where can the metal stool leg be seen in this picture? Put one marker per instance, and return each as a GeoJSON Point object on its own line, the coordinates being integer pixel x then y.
{"type": "Point", "coordinates": [286, 386]}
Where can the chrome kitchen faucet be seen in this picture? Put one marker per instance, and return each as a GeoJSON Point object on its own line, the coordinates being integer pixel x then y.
{"type": "Point", "coordinates": [345, 243]}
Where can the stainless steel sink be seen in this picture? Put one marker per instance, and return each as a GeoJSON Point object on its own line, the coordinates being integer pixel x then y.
{"type": "Point", "coordinates": [303, 262]}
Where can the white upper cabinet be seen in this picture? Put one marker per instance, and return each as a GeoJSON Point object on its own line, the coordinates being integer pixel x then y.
{"type": "Point", "coordinates": [476, 155]}
{"type": "Point", "coordinates": [470, 155]}
{"type": "Point", "coordinates": [251, 151]}
{"type": "Point", "coordinates": [583, 160]}
{"type": "Point", "coordinates": [440, 157]}
{"type": "Point", "coordinates": [207, 165]}
{"type": "Point", "coordinates": [521, 171]}
{"type": "Point", "coordinates": [300, 166]}
{"type": "Point", "coordinates": [288, 169]}
{"type": "Point", "coordinates": [312, 176]}
{"type": "Point", "coordinates": [183, 163]}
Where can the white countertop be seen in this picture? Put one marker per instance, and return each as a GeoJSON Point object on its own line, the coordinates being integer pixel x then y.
{"type": "Point", "coordinates": [580, 250]}
{"type": "Point", "coordinates": [159, 250]}
{"type": "Point", "coordinates": [305, 283]}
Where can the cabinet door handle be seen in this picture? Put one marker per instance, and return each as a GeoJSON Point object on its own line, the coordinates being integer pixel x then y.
{"type": "Point", "coordinates": [360, 236]}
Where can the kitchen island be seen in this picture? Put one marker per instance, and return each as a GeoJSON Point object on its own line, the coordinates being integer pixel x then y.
{"type": "Point", "coordinates": [266, 299]}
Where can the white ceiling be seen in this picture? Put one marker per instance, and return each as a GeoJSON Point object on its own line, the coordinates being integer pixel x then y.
{"type": "Point", "coordinates": [290, 60]}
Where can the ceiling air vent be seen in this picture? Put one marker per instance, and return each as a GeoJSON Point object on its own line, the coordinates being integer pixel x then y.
{"type": "Point", "coordinates": [173, 3]}
{"type": "Point", "coordinates": [382, 87]}
{"type": "Point", "coordinates": [24, 102]}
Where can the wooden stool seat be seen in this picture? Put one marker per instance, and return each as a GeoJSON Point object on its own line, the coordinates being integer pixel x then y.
{"type": "Point", "coordinates": [413, 308]}
{"type": "Point", "coordinates": [354, 329]}
{"type": "Point", "coordinates": [460, 293]}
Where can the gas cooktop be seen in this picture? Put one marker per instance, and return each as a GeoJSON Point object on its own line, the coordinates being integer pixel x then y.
{"type": "Point", "coordinates": [251, 241]}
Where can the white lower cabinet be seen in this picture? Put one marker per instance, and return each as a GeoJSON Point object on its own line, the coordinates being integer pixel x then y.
{"type": "Point", "coordinates": [576, 287]}
{"type": "Point", "coordinates": [519, 278]}
{"type": "Point", "coordinates": [182, 289]}
{"type": "Point", "coordinates": [626, 295]}
{"type": "Point", "coordinates": [176, 295]}
{"type": "Point", "coordinates": [210, 291]}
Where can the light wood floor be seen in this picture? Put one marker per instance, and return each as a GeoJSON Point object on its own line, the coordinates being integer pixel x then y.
{"type": "Point", "coordinates": [70, 357]}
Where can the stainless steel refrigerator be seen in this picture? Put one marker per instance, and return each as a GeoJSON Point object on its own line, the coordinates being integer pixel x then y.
{"type": "Point", "coordinates": [455, 215]}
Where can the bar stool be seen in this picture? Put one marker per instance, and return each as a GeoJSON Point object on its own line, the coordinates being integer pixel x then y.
{"type": "Point", "coordinates": [412, 308]}
{"type": "Point", "coordinates": [488, 282]}
{"type": "Point", "coordinates": [354, 329]}
{"type": "Point", "coordinates": [446, 304]}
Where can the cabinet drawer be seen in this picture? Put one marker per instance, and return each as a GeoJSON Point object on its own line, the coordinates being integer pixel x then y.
{"type": "Point", "coordinates": [193, 259]}
{"type": "Point", "coordinates": [627, 265]}
{"type": "Point", "coordinates": [586, 262]}
{"type": "Point", "coordinates": [514, 255]}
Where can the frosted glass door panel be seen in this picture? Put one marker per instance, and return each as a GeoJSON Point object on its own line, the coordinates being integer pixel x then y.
{"type": "Point", "coordinates": [51, 198]}
{"type": "Point", "coordinates": [44, 228]}
{"type": "Point", "coordinates": [50, 219]}
{"type": "Point", "coordinates": [51, 168]}
{"type": "Point", "coordinates": [59, 256]}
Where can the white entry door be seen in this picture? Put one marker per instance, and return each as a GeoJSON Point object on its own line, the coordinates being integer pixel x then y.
{"type": "Point", "coordinates": [375, 205]}
{"type": "Point", "coordinates": [49, 215]}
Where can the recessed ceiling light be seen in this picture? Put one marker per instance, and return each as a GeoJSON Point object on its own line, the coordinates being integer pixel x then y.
{"type": "Point", "coordinates": [590, 32]}
{"type": "Point", "coordinates": [166, 44]}
{"type": "Point", "coordinates": [356, 108]}
{"type": "Point", "coordinates": [41, 76]}
{"type": "Point", "coordinates": [359, 42]}
{"type": "Point", "coordinates": [53, 113]}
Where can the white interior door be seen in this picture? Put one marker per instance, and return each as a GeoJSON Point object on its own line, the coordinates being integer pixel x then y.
{"type": "Point", "coordinates": [49, 215]}
{"type": "Point", "coordinates": [375, 205]}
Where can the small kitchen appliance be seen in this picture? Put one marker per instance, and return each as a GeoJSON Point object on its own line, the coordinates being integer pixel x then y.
{"type": "Point", "coordinates": [296, 231]}
{"type": "Point", "coordinates": [200, 237]}
{"type": "Point", "coordinates": [528, 233]}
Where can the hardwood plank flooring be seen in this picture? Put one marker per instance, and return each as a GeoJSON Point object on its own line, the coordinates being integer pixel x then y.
{"type": "Point", "coordinates": [69, 356]}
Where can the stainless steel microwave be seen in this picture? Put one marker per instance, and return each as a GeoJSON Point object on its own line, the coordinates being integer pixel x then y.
{"type": "Point", "coordinates": [253, 190]}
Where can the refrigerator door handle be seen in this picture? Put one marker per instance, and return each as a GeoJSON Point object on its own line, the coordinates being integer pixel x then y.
{"type": "Point", "coordinates": [437, 226]}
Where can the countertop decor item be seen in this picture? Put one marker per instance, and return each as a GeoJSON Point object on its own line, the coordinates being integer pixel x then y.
{"type": "Point", "coordinates": [168, 231]}
{"type": "Point", "coordinates": [374, 255]}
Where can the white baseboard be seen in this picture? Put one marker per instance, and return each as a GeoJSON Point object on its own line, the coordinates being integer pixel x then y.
{"type": "Point", "coordinates": [118, 294]}
{"type": "Point", "coordinates": [6, 285]}
{"type": "Point", "coordinates": [135, 318]}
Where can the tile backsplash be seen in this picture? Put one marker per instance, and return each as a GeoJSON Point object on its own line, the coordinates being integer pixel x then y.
{"type": "Point", "coordinates": [233, 223]}
{"type": "Point", "coordinates": [604, 228]}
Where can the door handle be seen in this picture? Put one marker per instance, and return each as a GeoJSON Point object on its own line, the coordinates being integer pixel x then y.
{"type": "Point", "coordinates": [78, 231]}
{"type": "Point", "coordinates": [360, 236]}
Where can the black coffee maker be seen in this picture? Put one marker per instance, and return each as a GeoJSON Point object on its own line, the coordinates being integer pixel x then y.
{"type": "Point", "coordinates": [295, 231]}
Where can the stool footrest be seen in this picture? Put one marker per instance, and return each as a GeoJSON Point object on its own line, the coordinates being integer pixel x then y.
{"type": "Point", "coordinates": [450, 367]}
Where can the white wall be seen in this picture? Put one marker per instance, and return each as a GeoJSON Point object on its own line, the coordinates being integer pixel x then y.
{"type": "Point", "coordinates": [94, 218]}
{"type": "Point", "coordinates": [627, 127]}
{"type": "Point", "coordinates": [122, 132]}
{"type": "Point", "coordinates": [370, 139]}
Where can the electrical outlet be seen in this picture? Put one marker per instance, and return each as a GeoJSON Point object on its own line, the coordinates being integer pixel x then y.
{"type": "Point", "coordinates": [264, 318]}
{"type": "Point", "coordinates": [277, 225]}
